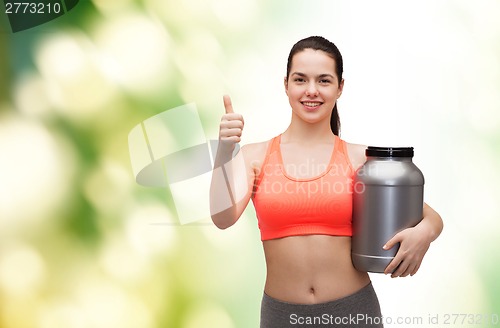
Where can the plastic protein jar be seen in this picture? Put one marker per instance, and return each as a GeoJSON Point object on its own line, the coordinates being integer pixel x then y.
{"type": "Point", "coordinates": [388, 194]}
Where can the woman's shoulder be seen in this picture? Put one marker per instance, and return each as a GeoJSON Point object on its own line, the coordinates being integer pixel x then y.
{"type": "Point", "coordinates": [356, 153]}
{"type": "Point", "coordinates": [255, 153]}
{"type": "Point", "coordinates": [256, 150]}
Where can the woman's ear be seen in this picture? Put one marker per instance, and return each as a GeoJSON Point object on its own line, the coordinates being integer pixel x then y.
{"type": "Point", "coordinates": [341, 88]}
{"type": "Point", "coordinates": [285, 81]}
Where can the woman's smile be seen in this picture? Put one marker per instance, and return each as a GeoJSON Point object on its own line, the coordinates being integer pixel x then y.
{"type": "Point", "coordinates": [311, 105]}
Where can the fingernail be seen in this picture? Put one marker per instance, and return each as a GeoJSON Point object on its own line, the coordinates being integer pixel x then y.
{"type": "Point", "coordinates": [385, 247]}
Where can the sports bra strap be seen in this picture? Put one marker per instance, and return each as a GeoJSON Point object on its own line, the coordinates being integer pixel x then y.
{"type": "Point", "coordinates": [270, 148]}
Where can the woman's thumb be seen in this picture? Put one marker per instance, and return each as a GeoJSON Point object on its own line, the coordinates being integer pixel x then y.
{"type": "Point", "coordinates": [227, 104]}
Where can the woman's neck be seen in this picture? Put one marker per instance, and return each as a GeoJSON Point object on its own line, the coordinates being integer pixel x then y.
{"type": "Point", "coordinates": [308, 133]}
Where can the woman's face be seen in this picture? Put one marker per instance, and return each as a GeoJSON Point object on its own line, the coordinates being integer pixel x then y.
{"type": "Point", "coordinates": [312, 86]}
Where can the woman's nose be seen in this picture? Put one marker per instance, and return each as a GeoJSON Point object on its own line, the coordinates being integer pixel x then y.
{"type": "Point", "coordinates": [311, 90]}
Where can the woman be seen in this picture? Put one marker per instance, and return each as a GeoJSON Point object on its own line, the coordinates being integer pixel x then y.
{"type": "Point", "coordinates": [300, 184]}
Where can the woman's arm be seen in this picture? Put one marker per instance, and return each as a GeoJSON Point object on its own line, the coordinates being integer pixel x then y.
{"type": "Point", "coordinates": [414, 243]}
{"type": "Point", "coordinates": [231, 186]}
{"type": "Point", "coordinates": [232, 178]}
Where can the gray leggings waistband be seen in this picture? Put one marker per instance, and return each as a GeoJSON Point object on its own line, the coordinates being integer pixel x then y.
{"type": "Point", "coordinates": [361, 309]}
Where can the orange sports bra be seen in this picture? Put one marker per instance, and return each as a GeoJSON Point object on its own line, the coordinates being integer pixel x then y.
{"type": "Point", "coordinates": [290, 206]}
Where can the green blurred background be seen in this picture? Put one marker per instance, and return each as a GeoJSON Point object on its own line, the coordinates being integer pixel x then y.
{"type": "Point", "coordinates": [82, 245]}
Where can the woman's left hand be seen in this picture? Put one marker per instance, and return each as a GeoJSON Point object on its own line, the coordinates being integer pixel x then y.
{"type": "Point", "coordinates": [413, 246]}
{"type": "Point", "coordinates": [414, 243]}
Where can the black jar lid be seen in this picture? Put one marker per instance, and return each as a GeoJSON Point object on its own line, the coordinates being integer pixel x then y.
{"type": "Point", "coordinates": [389, 151]}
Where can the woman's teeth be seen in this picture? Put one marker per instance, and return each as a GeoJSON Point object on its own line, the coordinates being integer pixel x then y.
{"type": "Point", "coordinates": [311, 104]}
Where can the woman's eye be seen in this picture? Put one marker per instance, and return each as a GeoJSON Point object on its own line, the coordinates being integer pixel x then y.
{"type": "Point", "coordinates": [324, 81]}
{"type": "Point", "coordinates": [299, 79]}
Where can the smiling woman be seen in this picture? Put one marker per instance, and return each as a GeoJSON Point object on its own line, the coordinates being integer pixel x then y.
{"type": "Point", "coordinates": [305, 225]}
{"type": "Point", "coordinates": [310, 47]}
{"type": "Point", "coordinates": [309, 89]}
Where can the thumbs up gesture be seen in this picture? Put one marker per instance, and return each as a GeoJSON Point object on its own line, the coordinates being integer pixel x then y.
{"type": "Point", "coordinates": [231, 126]}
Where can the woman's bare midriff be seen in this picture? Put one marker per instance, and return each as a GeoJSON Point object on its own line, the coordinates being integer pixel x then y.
{"type": "Point", "coordinates": [311, 269]}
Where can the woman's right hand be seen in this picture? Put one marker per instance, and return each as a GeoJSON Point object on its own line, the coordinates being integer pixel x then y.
{"type": "Point", "coordinates": [232, 178]}
{"type": "Point", "coordinates": [231, 127]}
